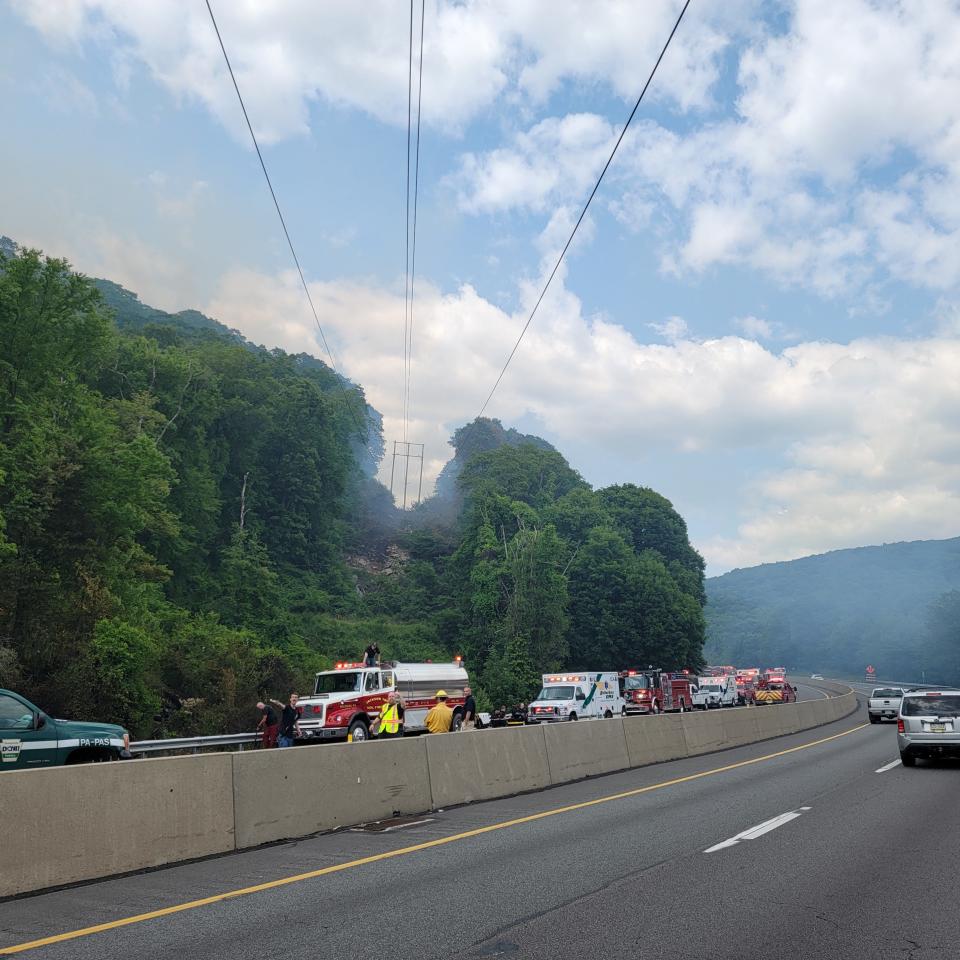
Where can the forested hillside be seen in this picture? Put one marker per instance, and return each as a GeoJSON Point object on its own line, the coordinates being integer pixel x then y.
{"type": "Point", "coordinates": [189, 521]}
{"type": "Point", "coordinates": [895, 606]}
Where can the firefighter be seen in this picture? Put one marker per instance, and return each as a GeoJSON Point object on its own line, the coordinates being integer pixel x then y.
{"type": "Point", "coordinates": [439, 717]}
{"type": "Point", "coordinates": [391, 718]}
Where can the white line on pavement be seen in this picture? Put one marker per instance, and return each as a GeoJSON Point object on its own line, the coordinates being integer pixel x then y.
{"type": "Point", "coordinates": [759, 830]}
{"type": "Point", "coordinates": [889, 766]}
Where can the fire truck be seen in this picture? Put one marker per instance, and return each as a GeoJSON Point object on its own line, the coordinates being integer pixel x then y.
{"type": "Point", "coordinates": [655, 691]}
{"type": "Point", "coordinates": [719, 671]}
{"type": "Point", "coordinates": [771, 690]}
{"type": "Point", "coordinates": [746, 687]}
{"type": "Point", "coordinates": [346, 701]}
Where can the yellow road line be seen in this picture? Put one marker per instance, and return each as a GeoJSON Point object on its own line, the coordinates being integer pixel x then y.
{"type": "Point", "coordinates": [376, 858]}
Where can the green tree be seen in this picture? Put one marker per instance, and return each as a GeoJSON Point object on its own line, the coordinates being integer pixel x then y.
{"type": "Point", "coordinates": [627, 610]}
{"type": "Point", "coordinates": [510, 677]}
{"type": "Point", "coordinates": [526, 473]}
{"type": "Point", "coordinates": [649, 522]}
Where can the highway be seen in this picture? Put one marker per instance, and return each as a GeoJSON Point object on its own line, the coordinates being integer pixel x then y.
{"type": "Point", "coordinates": [805, 846]}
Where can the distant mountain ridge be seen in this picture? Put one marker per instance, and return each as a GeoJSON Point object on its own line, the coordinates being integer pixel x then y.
{"type": "Point", "coordinates": [835, 611]}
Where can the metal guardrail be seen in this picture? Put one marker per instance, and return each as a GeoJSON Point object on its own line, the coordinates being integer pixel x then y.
{"type": "Point", "coordinates": [195, 744]}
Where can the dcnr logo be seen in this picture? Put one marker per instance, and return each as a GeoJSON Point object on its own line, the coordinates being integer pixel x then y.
{"type": "Point", "coordinates": [9, 751]}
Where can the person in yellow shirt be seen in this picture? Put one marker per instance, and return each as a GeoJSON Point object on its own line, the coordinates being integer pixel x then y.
{"type": "Point", "coordinates": [439, 718]}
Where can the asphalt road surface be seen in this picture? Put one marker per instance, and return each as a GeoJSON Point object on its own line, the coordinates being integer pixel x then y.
{"type": "Point", "coordinates": [815, 845]}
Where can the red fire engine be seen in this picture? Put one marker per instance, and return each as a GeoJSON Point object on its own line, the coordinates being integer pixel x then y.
{"type": "Point", "coordinates": [346, 701]}
{"type": "Point", "coordinates": [746, 687]}
{"type": "Point", "coordinates": [720, 671]}
{"type": "Point", "coordinates": [653, 691]}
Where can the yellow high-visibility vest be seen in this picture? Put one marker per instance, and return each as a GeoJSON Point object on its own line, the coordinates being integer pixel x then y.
{"type": "Point", "coordinates": [389, 718]}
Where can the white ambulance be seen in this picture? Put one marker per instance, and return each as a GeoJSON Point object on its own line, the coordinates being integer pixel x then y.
{"type": "Point", "coordinates": [577, 696]}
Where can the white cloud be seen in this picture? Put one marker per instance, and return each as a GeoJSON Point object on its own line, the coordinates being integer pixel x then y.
{"type": "Point", "coordinates": [800, 180]}
{"type": "Point", "coordinates": [868, 432]}
{"type": "Point", "coordinates": [554, 160]}
{"type": "Point", "coordinates": [474, 52]}
{"type": "Point", "coordinates": [671, 329]}
{"type": "Point", "coordinates": [755, 327]}
{"type": "Point", "coordinates": [759, 328]}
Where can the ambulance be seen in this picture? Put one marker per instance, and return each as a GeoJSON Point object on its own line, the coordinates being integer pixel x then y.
{"type": "Point", "coordinates": [577, 696]}
{"type": "Point", "coordinates": [346, 701]}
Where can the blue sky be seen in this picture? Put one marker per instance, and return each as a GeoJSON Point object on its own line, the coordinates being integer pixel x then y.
{"type": "Point", "coordinates": [759, 318]}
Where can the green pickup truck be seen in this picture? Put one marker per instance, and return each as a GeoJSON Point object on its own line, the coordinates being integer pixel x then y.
{"type": "Point", "coordinates": [30, 739]}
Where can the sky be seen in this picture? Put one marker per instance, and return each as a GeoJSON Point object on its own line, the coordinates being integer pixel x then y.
{"type": "Point", "coordinates": [760, 317]}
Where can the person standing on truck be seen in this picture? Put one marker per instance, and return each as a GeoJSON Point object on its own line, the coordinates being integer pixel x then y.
{"type": "Point", "coordinates": [469, 710]}
{"type": "Point", "coordinates": [391, 718]}
{"type": "Point", "coordinates": [268, 724]}
{"type": "Point", "coordinates": [439, 718]}
{"type": "Point", "coordinates": [289, 721]}
{"type": "Point", "coordinates": [371, 655]}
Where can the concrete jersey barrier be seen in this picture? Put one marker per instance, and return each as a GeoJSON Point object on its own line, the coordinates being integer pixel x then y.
{"type": "Point", "coordinates": [66, 824]}
{"type": "Point", "coordinates": [160, 811]}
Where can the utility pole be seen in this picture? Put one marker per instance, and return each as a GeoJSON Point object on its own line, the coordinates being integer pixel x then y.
{"type": "Point", "coordinates": [406, 450]}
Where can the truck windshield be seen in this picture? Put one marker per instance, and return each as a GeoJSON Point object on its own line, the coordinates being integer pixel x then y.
{"type": "Point", "coordinates": [636, 683]}
{"type": "Point", "coordinates": [887, 692]}
{"type": "Point", "coordinates": [338, 682]}
{"type": "Point", "coordinates": [556, 693]}
{"type": "Point", "coordinates": [941, 705]}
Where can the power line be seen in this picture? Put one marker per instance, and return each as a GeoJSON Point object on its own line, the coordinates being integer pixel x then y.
{"type": "Point", "coordinates": [413, 246]}
{"type": "Point", "coordinates": [286, 233]}
{"type": "Point", "coordinates": [406, 262]}
{"type": "Point", "coordinates": [583, 212]}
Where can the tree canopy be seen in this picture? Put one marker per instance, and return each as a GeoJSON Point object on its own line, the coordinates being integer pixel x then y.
{"type": "Point", "coordinates": [189, 522]}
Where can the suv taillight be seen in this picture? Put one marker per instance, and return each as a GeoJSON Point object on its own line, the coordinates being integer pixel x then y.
{"type": "Point", "coordinates": [900, 728]}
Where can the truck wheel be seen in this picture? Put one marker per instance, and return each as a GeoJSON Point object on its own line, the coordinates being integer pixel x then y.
{"type": "Point", "coordinates": [683, 706]}
{"type": "Point", "coordinates": [608, 715]}
{"type": "Point", "coordinates": [874, 719]}
{"type": "Point", "coordinates": [655, 709]}
{"type": "Point", "coordinates": [358, 731]}
{"type": "Point", "coordinates": [908, 759]}
{"type": "Point", "coordinates": [457, 722]}
{"type": "Point", "coordinates": [573, 716]}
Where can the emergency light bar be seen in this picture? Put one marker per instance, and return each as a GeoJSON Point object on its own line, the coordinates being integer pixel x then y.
{"type": "Point", "coordinates": [567, 678]}
{"type": "Point", "coordinates": [346, 666]}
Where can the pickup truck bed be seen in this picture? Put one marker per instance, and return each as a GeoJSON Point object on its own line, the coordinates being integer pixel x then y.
{"type": "Point", "coordinates": [884, 702]}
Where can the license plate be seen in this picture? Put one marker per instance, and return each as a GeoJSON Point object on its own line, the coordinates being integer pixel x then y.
{"type": "Point", "coordinates": [938, 728]}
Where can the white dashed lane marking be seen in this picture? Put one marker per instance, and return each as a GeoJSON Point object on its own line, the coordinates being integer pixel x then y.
{"type": "Point", "coordinates": [759, 830]}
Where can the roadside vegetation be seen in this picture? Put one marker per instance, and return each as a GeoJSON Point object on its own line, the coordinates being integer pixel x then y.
{"type": "Point", "coordinates": [188, 521]}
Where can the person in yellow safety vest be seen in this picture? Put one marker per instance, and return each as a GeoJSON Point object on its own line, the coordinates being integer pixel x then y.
{"type": "Point", "coordinates": [391, 717]}
{"type": "Point", "coordinates": [439, 717]}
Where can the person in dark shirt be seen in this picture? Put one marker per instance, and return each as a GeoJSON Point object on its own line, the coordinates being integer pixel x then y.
{"type": "Point", "coordinates": [469, 710]}
{"type": "Point", "coordinates": [269, 724]}
{"type": "Point", "coordinates": [289, 721]}
{"type": "Point", "coordinates": [371, 655]}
